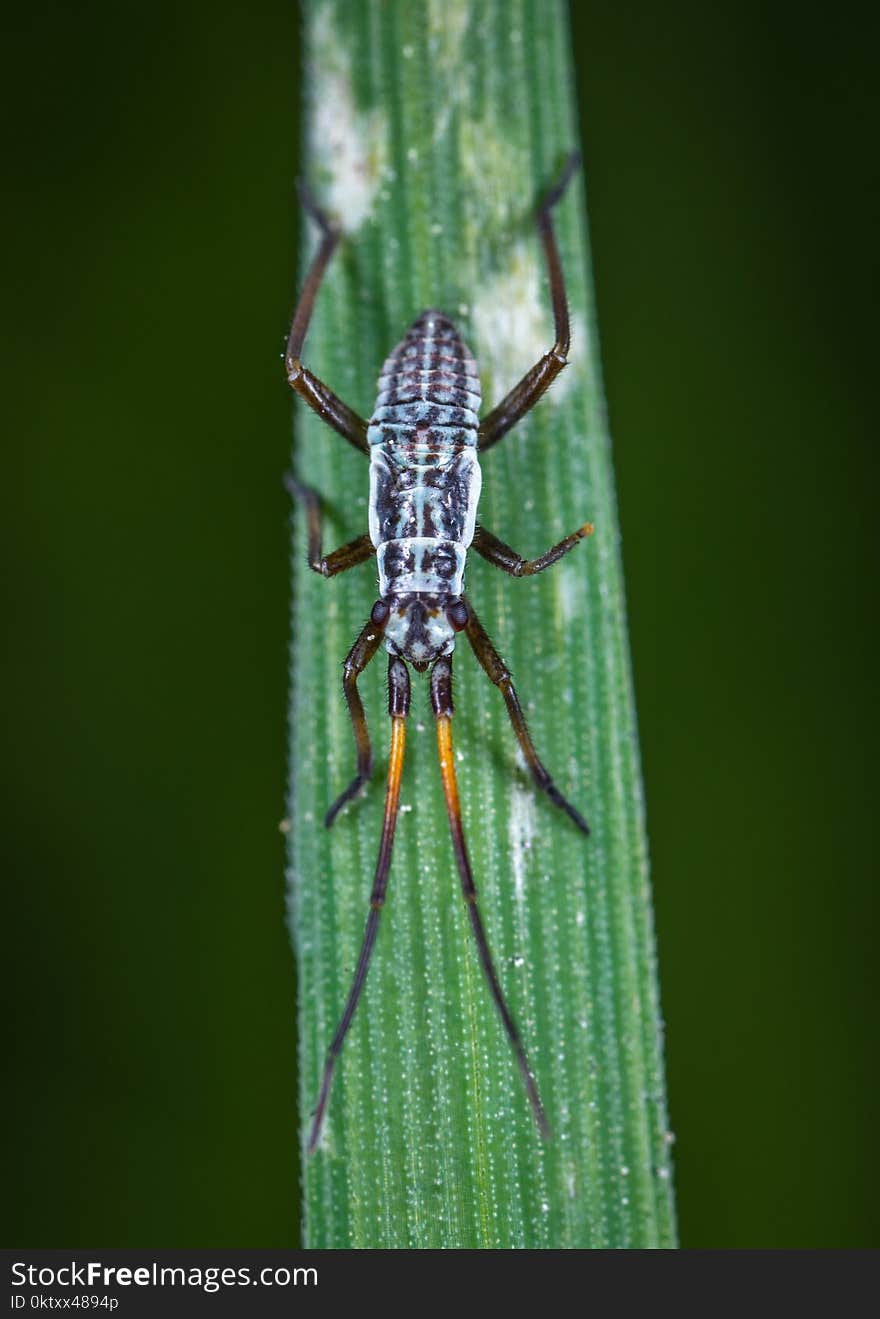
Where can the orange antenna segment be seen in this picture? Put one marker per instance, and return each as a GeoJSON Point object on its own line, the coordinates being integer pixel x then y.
{"type": "Point", "coordinates": [398, 682]}
{"type": "Point", "coordinates": [441, 693]}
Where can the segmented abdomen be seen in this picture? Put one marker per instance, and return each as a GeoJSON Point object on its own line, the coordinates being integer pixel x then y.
{"type": "Point", "coordinates": [424, 472]}
{"type": "Point", "coordinates": [430, 381]}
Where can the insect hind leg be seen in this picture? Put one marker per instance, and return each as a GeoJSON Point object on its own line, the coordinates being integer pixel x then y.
{"type": "Point", "coordinates": [524, 395]}
{"type": "Point", "coordinates": [319, 396]}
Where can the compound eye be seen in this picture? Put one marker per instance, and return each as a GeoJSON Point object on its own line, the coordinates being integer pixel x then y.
{"type": "Point", "coordinates": [379, 613]}
{"type": "Point", "coordinates": [458, 615]}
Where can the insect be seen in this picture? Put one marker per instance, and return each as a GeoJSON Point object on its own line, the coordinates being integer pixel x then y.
{"type": "Point", "coordinates": [424, 441]}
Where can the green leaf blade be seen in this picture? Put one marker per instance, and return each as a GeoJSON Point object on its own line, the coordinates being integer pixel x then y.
{"type": "Point", "coordinates": [447, 122]}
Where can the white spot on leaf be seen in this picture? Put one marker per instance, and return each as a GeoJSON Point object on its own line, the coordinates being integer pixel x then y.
{"type": "Point", "coordinates": [513, 323]}
{"type": "Point", "coordinates": [349, 144]}
{"type": "Point", "coordinates": [521, 833]}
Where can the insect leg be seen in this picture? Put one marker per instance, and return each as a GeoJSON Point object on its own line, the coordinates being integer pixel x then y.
{"type": "Point", "coordinates": [523, 397]}
{"type": "Point", "coordinates": [502, 556]}
{"type": "Point", "coordinates": [319, 396]}
{"type": "Point", "coordinates": [356, 661]}
{"type": "Point", "coordinates": [499, 674]}
{"type": "Point", "coordinates": [441, 700]}
{"type": "Point", "coordinates": [398, 708]}
{"type": "Point", "coordinates": [347, 556]}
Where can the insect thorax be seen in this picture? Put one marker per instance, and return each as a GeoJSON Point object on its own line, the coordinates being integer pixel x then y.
{"type": "Point", "coordinates": [424, 483]}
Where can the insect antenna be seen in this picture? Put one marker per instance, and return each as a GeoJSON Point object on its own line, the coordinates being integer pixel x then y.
{"type": "Point", "coordinates": [441, 699]}
{"type": "Point", "coordinates": [398, 708]}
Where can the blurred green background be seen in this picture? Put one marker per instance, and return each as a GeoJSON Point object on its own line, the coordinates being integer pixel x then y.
{"type": "Point", "coordinates": [150, 241]}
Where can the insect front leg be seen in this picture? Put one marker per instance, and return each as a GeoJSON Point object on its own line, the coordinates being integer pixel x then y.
{"type": "Point", "coordinates": [347, 556]}
{"type": "Point", "coordinates": [319, 396]}
{"type": "Point", "coordinates": [356, 661]}
{"type": "Point", "coordinates": [523, 397]}
{"type": "Point", "coordinates": [499, 674]}
{"type": "Point", "coordinates": [502, 556]}
{"type": "Point", "coordinates": [441, 700]}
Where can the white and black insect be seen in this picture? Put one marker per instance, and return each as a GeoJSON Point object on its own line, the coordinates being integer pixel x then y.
{"type": "Point", "coordinates": [423, 442]}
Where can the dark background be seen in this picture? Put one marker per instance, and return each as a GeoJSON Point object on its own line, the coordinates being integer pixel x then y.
{"type": "Point", "coordinates": [150, 241]}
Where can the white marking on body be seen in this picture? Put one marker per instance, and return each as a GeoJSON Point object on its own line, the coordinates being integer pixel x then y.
{"type": "Point", "coordinates": [414, 580]}
{"type": "Point", "coordinates": [474, 488]}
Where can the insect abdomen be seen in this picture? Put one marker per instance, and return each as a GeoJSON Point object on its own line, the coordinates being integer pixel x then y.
{"type": "Point", "coordinates": [424, 473]}
{"type": "Point", "coordinates": [429, 382]}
